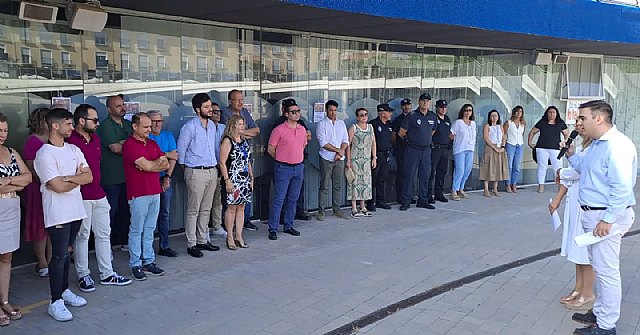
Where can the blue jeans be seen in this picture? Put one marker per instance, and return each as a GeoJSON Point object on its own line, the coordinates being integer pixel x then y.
{"type": "Point", "coordinates": [514, 156]}
{"type": "Point", "coordinates": [164, 216]}
{"type": "Point", "coordinates": [287, 182]}
{"type": "Point", "coordinates": [462, 170]}
{"type": "Point", "coordinates": [144, 215]}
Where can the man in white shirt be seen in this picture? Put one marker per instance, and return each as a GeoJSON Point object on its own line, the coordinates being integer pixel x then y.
{"type": "Point", "coordinates": [334, 140]}
{"type": "Point", "coordinates": [61, 168]}
{"type": "Point", "coordinates": [607, 177]}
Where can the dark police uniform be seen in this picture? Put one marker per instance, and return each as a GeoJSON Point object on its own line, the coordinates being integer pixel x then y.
{"type": "Point", "coordinates": [440, 149]}
{"type": "Point", "coordinates": [383, 153]}
{"type": "Point", "coordinates": [420, 129]}
{"type": "Point", "coordinates": [398, 152]}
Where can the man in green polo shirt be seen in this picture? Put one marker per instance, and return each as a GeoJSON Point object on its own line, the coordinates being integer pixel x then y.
{"type": "Point", "coordinates": [113, 131]}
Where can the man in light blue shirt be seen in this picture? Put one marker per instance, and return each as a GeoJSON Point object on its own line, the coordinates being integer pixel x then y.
{"type": "Point", "coordinates": [251, 130]}
{"type": "Point", "coordinates": [607, 177]}
{"type": "Point", "coordinates": [197, 156]}
{"type": "Point", "coordinates": [167, 144]}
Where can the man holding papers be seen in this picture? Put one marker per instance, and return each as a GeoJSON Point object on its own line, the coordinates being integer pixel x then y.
{"type": "Point", "coordinates": [607, 177]}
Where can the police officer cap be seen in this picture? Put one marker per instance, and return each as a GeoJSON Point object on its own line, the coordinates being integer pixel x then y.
{"type": "Point", "coordinates": [425, 96]}
{"type": "Point", "coordinates": [384, 108]}
{"type": "Point", "coordinates": [441, 103]}
{"type": "Point", "coordinates": [289, 102]}
{"type": "Point", "coordinates": [405, 101]}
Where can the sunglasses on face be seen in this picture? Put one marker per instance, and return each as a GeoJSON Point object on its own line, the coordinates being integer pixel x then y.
{"type": "Point", "coordinates": [295, 111]}
{"type": "Point", "coordinates": [95, 120]}
{"type": "Point", "coordinates": [216, 111]}
{"type": "Point", "coordinates": [363, 114]}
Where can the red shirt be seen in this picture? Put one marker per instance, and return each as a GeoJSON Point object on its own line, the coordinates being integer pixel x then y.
{"type": "Point", "coordinates": [289, 143]}
{"type": "Point", "coordinates": [92, 153]}
{"type": "Point", "coordinates": [140, 183]}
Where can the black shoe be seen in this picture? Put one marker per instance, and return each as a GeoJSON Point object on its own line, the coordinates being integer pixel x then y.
{"type": "Point", "coordinates": [383, 206]}
{"type": "Point", "coordinates": [587, 318]}
{"type": "Point", "coordinates": [291, 231]}
{"type": "Point", "coordinates": [423, 205]}
{"type": "Point", "coordinates": [371, 208]}
{"type": "Point", "coordinates": [250, 226]}
{"type": "Point", "coordinates": [303, 216]}
{"type": "Point", "coordinates": [594, 331]}
{"type": "Point", "coordinates": [207, 246]}
{"type": "Point", "coordinates": [195, 252]}
{"type": "Point", "coordinates": [86, 284]}
{"type": "Point", "coordinates": [137, 273]}
{"type": "Point", "coordinates": [404, 207]}
{"type": "Point", "coordinates": [441, 198]}
{"type": "Point", "coordinates": [431, 200]}
{"type": "Point", "coordinates": [273, 235]}
{"type": "Point", "coordinates": [168, 252]}
{"type": "Point", "coordinates": [152, 269]}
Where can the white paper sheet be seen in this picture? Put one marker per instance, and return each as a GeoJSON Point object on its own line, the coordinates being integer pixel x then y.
{"type": "Point", "coordinates": [555, 219]}
{"type": "Point", "coordinates": [588, 238]}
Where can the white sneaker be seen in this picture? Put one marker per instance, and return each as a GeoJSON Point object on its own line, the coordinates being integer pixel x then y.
{"type": "Point", "coordinates": [73, 299]}
{"type": "Point", "coordinates": [59, 311]}
{"type": "Point", "coordinates": [219, 232]}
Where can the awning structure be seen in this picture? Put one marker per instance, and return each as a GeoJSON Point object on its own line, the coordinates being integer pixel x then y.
{"type": "Point", "coordinates": [580, 26]}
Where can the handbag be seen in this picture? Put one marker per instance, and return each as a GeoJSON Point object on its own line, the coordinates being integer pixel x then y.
{"type": "Point", "coordinates": [351, 177]}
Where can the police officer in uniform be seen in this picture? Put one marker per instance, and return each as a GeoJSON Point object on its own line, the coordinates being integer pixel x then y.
{"type": "Point", "coordinates": [440, 149]}
{"type": "Point", "coordinates": [399, 146]}
{"type": "Point", "coordinates": [418, 128]}
{"type": "Point", "coordinates": [382, 128]}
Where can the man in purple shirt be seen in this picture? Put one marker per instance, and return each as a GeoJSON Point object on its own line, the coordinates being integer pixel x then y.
{"type": "Point", "coordinates": [96, 205]}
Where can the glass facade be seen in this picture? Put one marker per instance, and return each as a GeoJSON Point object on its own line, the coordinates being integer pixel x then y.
{"type": "Point", "coordinates": [159, 64]}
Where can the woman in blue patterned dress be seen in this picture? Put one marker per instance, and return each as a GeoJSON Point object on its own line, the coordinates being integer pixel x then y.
{"type": "Point", "coordinates": [237, 176]}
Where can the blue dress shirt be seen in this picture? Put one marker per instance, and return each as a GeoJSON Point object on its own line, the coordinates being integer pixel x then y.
{"type": "Point", "coordinates": [197, 144]}
{"type": "Point", "coordinates": [608, 174]}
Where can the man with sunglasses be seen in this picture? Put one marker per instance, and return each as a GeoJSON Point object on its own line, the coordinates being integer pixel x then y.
{"type": "Point", "coordinates": [301, 212]}
{"type": "Point", "coordinates": [286, 146]}
{"type": "Point", "coordinates": [96, 205]}
{"type": "Point", "coordinates": [167, 144]}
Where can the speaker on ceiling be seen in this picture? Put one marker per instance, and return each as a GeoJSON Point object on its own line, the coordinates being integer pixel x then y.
{"type": "Point", "coordinates": [540, 58]}
{"type": "Point", "coordinates": [37, 12]}
{"type": "Point", "coordinates": [89, 17]}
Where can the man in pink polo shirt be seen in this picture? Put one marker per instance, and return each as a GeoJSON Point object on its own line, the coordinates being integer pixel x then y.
{"type": "Point", "coordinates": [143, 160]}
{"type": "Point", "coordinates": [286, 146]}
{"type": "Point", "coordinates": [95, 203]}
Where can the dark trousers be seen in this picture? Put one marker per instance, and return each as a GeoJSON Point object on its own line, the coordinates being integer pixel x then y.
{"type": "Point", "coordinates": [379, 178]}
{"type": "Point", "coordinates": [62, 236]}
{"type": "Point", "coordinates": [119, 213]}
{"type": "Point", "coordinates": [439, 168]}
{"type": "Point", "coordinates": [287, 183]}
{"type": "Point", "coordinates": [416, 160]}
{"type": "Point", "coordinates": [164, 216]}
{"type": "Point", "coordinates": [398, 152]}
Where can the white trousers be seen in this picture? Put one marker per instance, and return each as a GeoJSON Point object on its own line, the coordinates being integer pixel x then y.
{"type": "Point", "coordinates": [605, 259]}
{"type": "Point", "coordinates": [99, 222]}
{"type": "Point", "coordinates": [544, 156]}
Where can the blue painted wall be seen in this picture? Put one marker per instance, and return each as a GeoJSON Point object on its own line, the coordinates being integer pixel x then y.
{"type": "Point", "coordinates": [572, 19]}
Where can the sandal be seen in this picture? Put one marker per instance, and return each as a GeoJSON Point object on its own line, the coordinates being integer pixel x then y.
{"type": "Point", "coordinates": [365, 212]}
{"type": "Point", "coordinates": [463, 195]}
{"type": "Point", "coordinates": [569, 297]}
{"type": "Point", "coordinates": [356, 214]}
{"type": "Point", "coordinates": [12, 313]}
{"type": "Point", "coordinates": [4, 320]}
{"type": "Point", "coordinates": [42, 273]}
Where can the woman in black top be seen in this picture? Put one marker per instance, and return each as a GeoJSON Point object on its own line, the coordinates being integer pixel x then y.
{"type": "Point", "coordinates": [548, 145]}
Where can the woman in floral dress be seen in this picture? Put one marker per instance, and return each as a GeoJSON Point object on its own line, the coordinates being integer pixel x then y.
{"type": "Point", "coordinates": [361, 159]}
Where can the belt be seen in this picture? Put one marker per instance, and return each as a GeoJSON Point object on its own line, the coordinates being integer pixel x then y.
{"type": "Point", "coordinates": [287, 164]}
{"type": "Point", "coordinates": [420, 147]}
{"type": "Point", "coordinates": [589, 208]}
{"type": "Point", "coordinates": [440, 146]}
{"type": "Point", "coordinates": [201, 167]}
{"type": "Point", "coordinates": [8, 195]}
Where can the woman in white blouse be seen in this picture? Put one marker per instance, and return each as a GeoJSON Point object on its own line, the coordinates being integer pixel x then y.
{"type": "Point", "coordinates": [514, 142]}
{"type": "Point", "coordinates": [464, 143]}
{"type": "Point", "coordinates": [494, 166]}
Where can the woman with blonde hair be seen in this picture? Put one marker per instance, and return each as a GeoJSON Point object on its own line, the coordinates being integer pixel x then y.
{"type": "Point", "coordinates": [582, 296]}
{"type": "Point", "coordinates": [514, 143]}
{"type": "Point", "coordinates": [237, 176]}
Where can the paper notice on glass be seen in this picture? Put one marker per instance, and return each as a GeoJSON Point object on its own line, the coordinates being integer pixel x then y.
{"type": "Point", "coordinates": [555, 219]}
{"type": "Point", "coordinates": [318, 116]}
{"type": "Point", "coordinates": [589, 239]}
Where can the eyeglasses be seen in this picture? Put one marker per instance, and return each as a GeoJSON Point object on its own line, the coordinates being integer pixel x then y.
{"type": "Point", "coordinates": [294, 111]}
{"type": "Point", "coordinates": [157, 121]}
{"type": "Point", "coordinates": [95, 120]}
{"type": "Point", "coordinates": [216, 111]}
{"type": "Point", "coordinates": [363, 114]}
{"type": "Point", "coordinates": [468, 110]}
